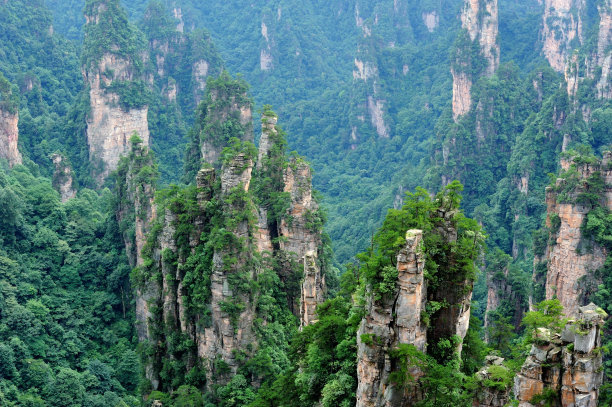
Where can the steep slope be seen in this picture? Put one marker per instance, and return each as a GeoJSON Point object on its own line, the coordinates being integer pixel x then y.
{"type": "Point", "coordinates": [9, 117]}
{"type": "Point", "coordinates": [419, 306]}
{"type": "Point", "coordinates": [223, 262]}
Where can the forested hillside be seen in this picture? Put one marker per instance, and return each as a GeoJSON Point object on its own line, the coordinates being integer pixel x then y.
{"type": "Point", "coordinates": [440, 237]}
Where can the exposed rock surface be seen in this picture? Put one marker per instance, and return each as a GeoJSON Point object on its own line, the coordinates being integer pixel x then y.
{"type": "Point", "coordinates": [562, 24]}
{"type": "Point", "coordinates": [109, 126]}
{"type": "Point", "coordinates": [62, 177]}
{"type": "Point", "coordinates": [570, 363]}
{"type": "Point", "coordinates": [9, 135]}
{"type": "Point", "coordinates": [567, 261]}
{"type": "Point", "coordinates": [266, 61]}
{"type": "Point", "coordinates": [313, 289]}
{"type": "Point", "coordinates": [299, 235]}
{"type": "Point", "coordinates": [389, 322]}
{"type": "Point", "coordinates": [431, 20]}
{"type": "Point", "coordinates": [268, 130]}
{"type": "Point", "coordinates": [462, 92]}
{"type": "Point", "coordinates": [223, 331]}
{"type": "Point", "coordinates": [136, 207]}
{"type": "Point", "coordinates": [604, 52]}
{"type": "Point", "coordinates": [228, 334]}
{"type": "Point", "coordinates": [480, 20]}
{"type": "Point", "coordinates": [487, 395]}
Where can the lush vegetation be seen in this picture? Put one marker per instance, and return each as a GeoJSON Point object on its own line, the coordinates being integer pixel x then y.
{"type": "Point", "coordinates": [66, 307]}
{"type": "Point", "coordinates": [66, 331]}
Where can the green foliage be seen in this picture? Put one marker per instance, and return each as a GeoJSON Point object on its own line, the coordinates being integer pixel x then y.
{"type": "Point", "coordinates": [220, 120]}
{"type": "Point", "coordinates": [9, 98]}
{"type": "Point", "coordinates": [547, 398]}
{"type": "Point", "coordinates": [546, 314]}
{"type": "Point", "coordinates": [110, 32]}
{"type": "Point", "coordinates": [500, 377]}
{"type": "Point", "coordinates": [66, 335]}
{"type": "Point", "coordinates": [448, 262]}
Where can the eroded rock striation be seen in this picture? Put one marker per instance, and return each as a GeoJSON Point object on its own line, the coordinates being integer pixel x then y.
{"type": "Point", "coordinates": [568, 364]}
{"type": "Point", "coordinates": [480, 21]}
{"type": "Point", "coordinates": [211, 244]}
{"type": "Point", "coordinates": [391, 321]}
{"type": "Point", "coordinates": [567, 260]}
{"type": "Point", "coordinates": [562, 25]}
{"type": "Point", "coordinates": [62, 177]}
{"type": "Point", "coordinates": [109, 74]}
{"type": "Point", "coordinates": [9, 135]}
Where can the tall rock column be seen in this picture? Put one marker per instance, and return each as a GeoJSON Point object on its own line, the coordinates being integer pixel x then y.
{"type": "Point", "coordinates": [389, 322]}
{"type": "Point", "coordinates": [9, 118]}
{"type": "Point", "coordinates": [313, 288]}
{"type": "Point", "coordinates": [62, 177]}
{"type": "Point", "coordinates": [300, 236]}
{"type": "Point", "coordinates": [9, 135]}
{"type": "Point", "coordinates": [227, 106]}
{"type": "Point", "coordinates": [562, 24]}
{"type": "Point", "coordinates": [232, 309]}
{"type": "Point", "coordinates": [604, 51]}
{"type": "Point", "coordinates": [112, 73]}
{"type": "Point", "coordinates": [480, 21]}
{"type": "Point", "coordinates": [567, 259]}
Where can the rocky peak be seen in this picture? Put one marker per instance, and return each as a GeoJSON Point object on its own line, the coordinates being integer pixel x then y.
{"type": "Point", "coordinates": [9, 135]}
{"type": "Point", "coordinates": [109, 72]}
{"type": "Point", "coordinates": [479, 18]}
{"type": "Point", "coordinates": [480, 21]}
{"type": "Point", "coordinates": [562, 24]}
{"type": "Point", "coordinates": [9, 119]}
{"type": "Point", "coordinates": [226, 102]}
{"type": "Point", "coordinates": [313, 289]}
{"type": "Point", "coordinates": [567, 262]}
{"type": "Point", "coordinates": [389, 322]}
{"type": "Point", "coordinates": [569, 363]}
{"type": "Point", "coordinates": [236, 172]}
{"type": "Point", "coordinates": [62, 177]}
{"type": "Point", "coordinates": [490, 396]}
{"type": "Point", "coordinates": [268, 131]}
{"type": "Point", "coordinates": [299, 236]}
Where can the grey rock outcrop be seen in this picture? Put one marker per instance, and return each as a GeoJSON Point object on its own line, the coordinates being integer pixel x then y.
{"type": "Point", "coordinates": [9, 136]}
{"type": "Point", "coordinates": [569, 363]}
{"type": "Point", "coordinates": [389, 322]}
{"type": "Point", "coordinates": [62, 177]}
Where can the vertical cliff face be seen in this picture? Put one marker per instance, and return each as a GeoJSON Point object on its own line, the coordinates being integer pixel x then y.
{"type": "Point", "coordinates": [62, 177]}
{"type": "Point", "coordinates": [370, 107]}
{"type": "Point", "coordinates": [313, 289]}
{"type": "Point", "coordinates": [389, 322]}
{"type": "Point", "coordinates": [568, 364]}
{"type": "Point", "coordinates": [604, 53]}
{"type": "Point", "coordinates": [570, 257]}
{"type": "Point", "coordinates": [422, 320]}
{"type": "Point", "coordinates": [214, 248]}
{"type": "Point", "coordinates": [232, 308]}
{"type": "Point", "coordinates": [9, 135]}
{"type": "Point", "coordinates": [562, 25]}
{"type": "Point", "coordinates": [297, 229]}
{"type": "Point", "coordinates": [135, 211]}
{"type": "Point", "coordinates": [480, 20]}
{"type": "Point", "coordinates": [112, 74]}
